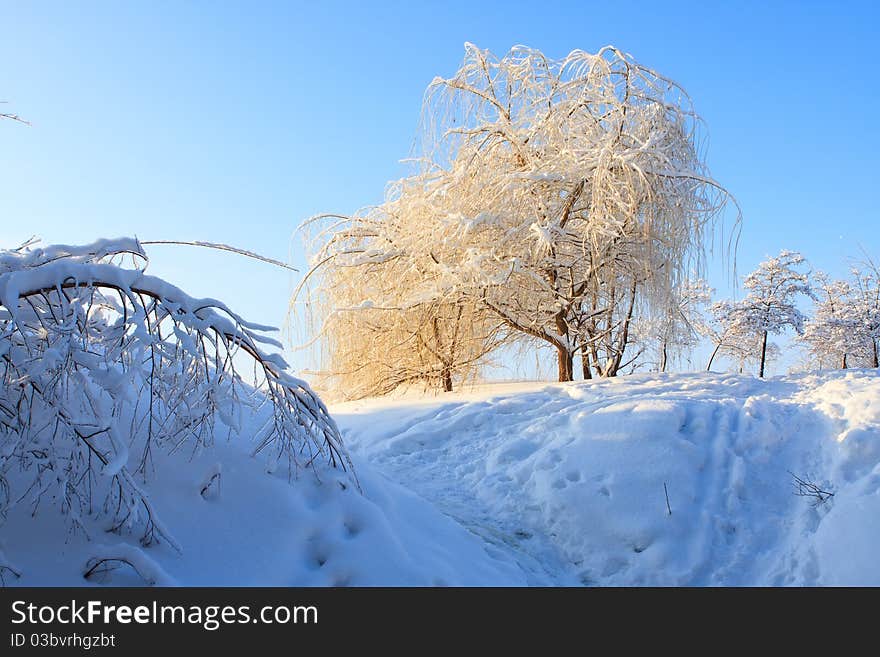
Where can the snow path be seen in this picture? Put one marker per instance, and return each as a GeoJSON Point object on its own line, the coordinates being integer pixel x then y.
{"type": "Point", "coordinates": [438, 457]}
{"type": "Point", "coordinates": [568, 480]}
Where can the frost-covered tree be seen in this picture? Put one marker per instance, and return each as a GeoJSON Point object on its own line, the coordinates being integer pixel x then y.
{"type": "Point", "coordinates": [555, 196]}
{"type": "Point", "coordinates": [679, 329]}
{"type": "Point", "coordinates": [374, 351]}
{"type": "Point", "coordinates": [832, 333]}
{"type": "Point", "coordinates": [769, 307]}
{"type": "Point", "coordinates": [102, 366]}
{"type": "Point", "coordinates": [725, 333]}
{"type": "Point", "coordinates": [731, 336]}
{"type": "Point", "coordinates": [865, 311]}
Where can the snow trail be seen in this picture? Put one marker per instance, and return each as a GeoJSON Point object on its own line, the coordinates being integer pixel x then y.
{"type": "Point", "coordinates": [438, 457]}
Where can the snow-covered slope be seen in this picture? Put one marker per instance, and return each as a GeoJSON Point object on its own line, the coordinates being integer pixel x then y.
{"type": "Point", "coordinates": [570, 480]}
{"type": "Point", "coordinates": [514, 484]}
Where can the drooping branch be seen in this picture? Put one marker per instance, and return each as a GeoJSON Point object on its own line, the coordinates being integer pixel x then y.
{"type": "Point", "coordinates": [223, 247]}
{"type": "Point", "coordinates": [97, 359]}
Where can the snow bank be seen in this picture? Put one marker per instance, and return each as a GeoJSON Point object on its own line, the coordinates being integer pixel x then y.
{"type": "Point", "coordinates": [847, 537]}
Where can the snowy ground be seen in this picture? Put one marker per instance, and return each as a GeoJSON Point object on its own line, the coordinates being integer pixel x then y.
{"type": "Point", "coordinates": [258, 529]}
{"type": "Point", "coordinates": [568, 480]}
{"type": "Point", "coordinates": [513, 484]}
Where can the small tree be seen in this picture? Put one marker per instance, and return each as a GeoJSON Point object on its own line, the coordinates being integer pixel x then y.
{"type": "Point", "coordinates": [383, 314]}
{"type": "Point", "coordinates": [374, 351]}
{"type": "Point", "coordinates": [732, 337]}
{"type": "Point", "coordinates": [769, 308]}
{"type": "Point", "coordinates": [832, 333]}
{"type": "Point", "coordinates": [865, 311]}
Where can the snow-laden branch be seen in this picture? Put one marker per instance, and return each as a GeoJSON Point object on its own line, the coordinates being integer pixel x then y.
{"type": "Point", "coordinates": [100, 365]}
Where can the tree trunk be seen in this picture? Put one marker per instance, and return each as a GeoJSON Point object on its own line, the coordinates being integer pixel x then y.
{"type": "Point", "coordinates": [585, 364]}
{"type": "Point", "coordinates": [843, 362]}
{"type": "Point", "coordinates": [594, 358]}
{"type": "Point", "coordinates": [564, 359]}
{"type": "Point", "coordinates": [623, 337]}
{"type": "Point", "coordinates": [663, 358]}
{"type": "Point", "coordinates": [446, 376]}
{"type": "Point", "coordinates": [876, 355]}
{"type": "Point", "coordinates": [712, 357]}
{"type": "Point", "coordinates": [763, 354]}
{"type": "Point", "coordinates": [565, 364]}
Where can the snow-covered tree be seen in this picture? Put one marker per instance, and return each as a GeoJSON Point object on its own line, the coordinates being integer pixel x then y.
{"type": "Point", "coordinates": [728, 330]}
{"type": "Point", "coordinates": [554, 196]}
{"type": "Point", "coordinates": [768, 308]}
{"type": "Point", "coordinates": [832, 333]}
{"type": "Point", "coordinates": [374, 351]}
{"type": "Point", "coordinates": [102, 365]}
{"type": "Point", "coordinates": [729, 337]}
{"type": "Point", "coordinates": [679, 329]}
{"type": "Point", "coordinates": [865, 312]}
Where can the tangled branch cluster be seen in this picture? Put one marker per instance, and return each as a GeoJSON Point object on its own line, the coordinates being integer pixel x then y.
{"type": "Point", "coordinates": [101, 365]}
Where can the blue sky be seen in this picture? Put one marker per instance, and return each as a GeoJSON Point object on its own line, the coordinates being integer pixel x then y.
{"type": "Point", "coordinates": [233, 122]}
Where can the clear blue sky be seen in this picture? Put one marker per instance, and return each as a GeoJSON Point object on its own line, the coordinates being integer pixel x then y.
{"type": "Point", "coordinates": [234, 121]}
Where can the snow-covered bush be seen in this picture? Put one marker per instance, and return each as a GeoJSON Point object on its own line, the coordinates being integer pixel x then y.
{"type": "Point", "coordinates": [102, 365]}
